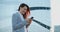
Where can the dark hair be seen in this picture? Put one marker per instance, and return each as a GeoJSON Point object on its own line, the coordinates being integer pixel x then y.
{"type": "Point", "coordinates": [22, 5]}
{"type": "Point", "coordinates": [27, 12]}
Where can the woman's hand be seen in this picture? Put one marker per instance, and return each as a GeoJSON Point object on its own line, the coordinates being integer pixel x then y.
{"type": "Point", "coordinates": [29, 20]}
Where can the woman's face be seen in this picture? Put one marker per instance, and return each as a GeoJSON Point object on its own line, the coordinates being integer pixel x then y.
{"type": "Point", "coordinates": [23, 10]}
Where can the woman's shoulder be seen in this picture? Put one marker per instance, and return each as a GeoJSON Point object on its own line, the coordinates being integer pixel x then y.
{"type": "Point", "coordinates": [15, 14]}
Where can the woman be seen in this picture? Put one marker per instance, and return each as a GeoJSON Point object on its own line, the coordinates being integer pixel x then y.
{"type": "Point", "coordinates": [20, 20]}
{"type": "Point", "coordinates": [27, 14]}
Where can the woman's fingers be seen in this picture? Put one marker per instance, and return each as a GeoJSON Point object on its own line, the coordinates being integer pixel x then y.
{"type": "Point", "coordinates": [29, 20]}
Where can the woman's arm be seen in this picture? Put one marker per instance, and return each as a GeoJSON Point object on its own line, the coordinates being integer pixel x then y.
{"type": "Point", "coordinates": [17, 22]}
{"type": "Point", "coordinates": [29, 23]}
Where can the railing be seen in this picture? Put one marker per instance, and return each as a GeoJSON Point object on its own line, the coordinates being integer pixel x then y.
{"type": "Point", "coordinates": [40, 8]}
{"type": "Point", "coordinates": [38, 22]}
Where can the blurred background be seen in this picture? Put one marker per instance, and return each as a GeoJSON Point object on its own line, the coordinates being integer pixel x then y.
{"type": "Point", "coordinates": [8, 7]}
{"type": "Point", "coordinates": [57, 28]}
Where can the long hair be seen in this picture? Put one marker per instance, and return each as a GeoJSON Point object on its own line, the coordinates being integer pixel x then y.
{"type": "Point", "coordinates": [27, 12]}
